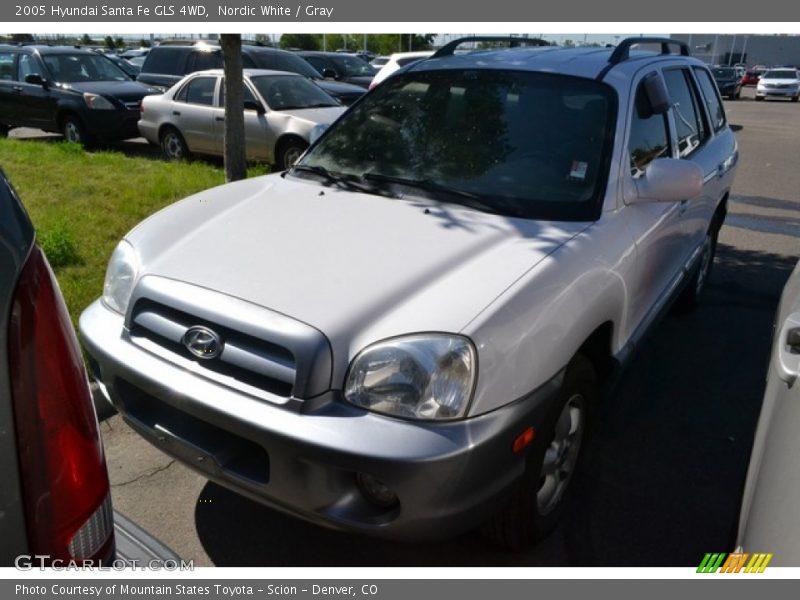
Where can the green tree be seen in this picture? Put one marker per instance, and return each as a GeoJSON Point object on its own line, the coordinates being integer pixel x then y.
{"type": "Point", "coordinates": [119, 42]}
{"type": "Point", "coordinates": [21, 37]}
{"type": "Point", "coordinates": [109, 42]}
{"type": "Point", "coordinates": [144, 43]}
{"type": "Point", "coordinates": [303, 41]}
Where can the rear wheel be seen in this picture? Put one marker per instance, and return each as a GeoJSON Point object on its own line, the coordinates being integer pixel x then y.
{"type": "Point", "coordinates": [759, 98]}
{"type": "Point", "coordinates": [535, 507]}
{"type": "Point", "coordinates": [173, 146]}
{"type": "Point", "coordinates": [4, 129]}
{"type": "Point", "coordinates": [795, 98]}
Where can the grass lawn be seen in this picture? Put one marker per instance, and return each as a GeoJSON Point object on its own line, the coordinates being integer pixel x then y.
{"type": "Point", "coordinates": [82, 203]}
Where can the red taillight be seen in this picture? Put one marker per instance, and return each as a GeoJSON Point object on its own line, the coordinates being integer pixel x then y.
{"type": "Point", "coordinates": [62, 465]}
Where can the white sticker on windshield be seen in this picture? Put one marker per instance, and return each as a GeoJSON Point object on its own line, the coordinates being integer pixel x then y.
{"type": "Point", "coordinates": [578, 170]}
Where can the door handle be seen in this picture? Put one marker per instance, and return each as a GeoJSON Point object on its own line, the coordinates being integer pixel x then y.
{"type": "Point", "coordinates": [683, 206]}
{"type": "Point", "coordinates": [219, 118]}
{"type": "Point", "coordinates": [17, 88]}
{"type": "Point", "coordinates": [787, 358]}
{"type": "Point", "coordinates": [176, 113]}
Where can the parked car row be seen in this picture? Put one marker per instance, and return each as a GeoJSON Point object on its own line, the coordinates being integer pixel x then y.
{"type": "Point", "coordinates": [87, 98]}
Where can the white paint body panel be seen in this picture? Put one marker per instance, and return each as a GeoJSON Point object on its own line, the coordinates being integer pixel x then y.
{"type": "Point", "coordinates": [362, 268]}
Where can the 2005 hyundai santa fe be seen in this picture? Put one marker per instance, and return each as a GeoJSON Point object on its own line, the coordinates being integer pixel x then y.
{"type": "Point", "coordinates": [405, 334]}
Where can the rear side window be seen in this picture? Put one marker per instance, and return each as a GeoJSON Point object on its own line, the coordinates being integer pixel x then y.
{"type": "Point", "coordinates": [168, 61]}
{"type": "Point", "coordinates": [689, 122]}
{"type": "Point", "coordinates": [714, 105]}
{"type": "Point", "coordinates": [199, 90]}
{"type": "Point", "coordinates": [649, 137]}
{"type": "Point", "coordinates": [200, 61]}
{"type": "Point", "coordinates": [319, 64]}
{"type": "Point", "coordinates": [6, 66]}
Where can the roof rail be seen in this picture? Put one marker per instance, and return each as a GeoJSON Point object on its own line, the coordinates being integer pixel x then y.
{"type": "Point", "coordinates": [450, 48]}
{"type": "Point", "coordinates": [622, 51]}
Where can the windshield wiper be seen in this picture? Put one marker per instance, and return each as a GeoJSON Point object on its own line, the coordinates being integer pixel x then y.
{"type": "Point", "coordinates": [464, 198]}
{"type": "Point", "coordinates": [339, 179]}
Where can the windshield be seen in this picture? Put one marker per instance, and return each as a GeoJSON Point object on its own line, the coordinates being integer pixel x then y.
{"type": "Point", "coordinates": [780, 74]}
{"type": "Point", "coordinates": [287, 92]}
{"type": "Point", "coordinates": [284, 61]}
{"type": "Point", "coordinates": [724, 73]}
{"type": "Point", "coordinates": [74, 68]}
{"type": "Point", "coordinates": [354, 66]}
{"type": "Point", "coordinates": [522, 144]}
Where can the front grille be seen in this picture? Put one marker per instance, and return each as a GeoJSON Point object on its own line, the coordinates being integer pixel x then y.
{"type": "Point", "coordinates": [265, 354]}
{"type": "Point", "coordinates": [246, 362]}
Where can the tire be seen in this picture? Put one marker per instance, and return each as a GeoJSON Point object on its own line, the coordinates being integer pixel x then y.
{"type": "Point", "coordinates": [759, 98]}
{"type": "Point", "coordinates": [73, 130]}
{"type": "Point", "coordinates": [691, 295]}
{"type": "Point", "coordinates": [4, 129]}
{"type": "Point", "coordinates": [795, 98]}
{"type": "Point", "coordinates": [534, 509]}
{"type": "Point", "coordinates": [173, 146]}
{"type": "Point", "coordinates": [288, 152]}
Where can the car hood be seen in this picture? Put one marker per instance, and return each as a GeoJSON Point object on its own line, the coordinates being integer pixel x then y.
{"type": "Point", "coordinates": [357, 267]}
{"type": "Point", "coordinates": [127, 91]}
{"type": "Point", "coordinates": [326, 115]}
{"type": "Point", "coordinates": [778, 81]}
{"type": "Point", "coordinates": [336, 88]}
{"type": "Point", "coordinates": [361, 80]}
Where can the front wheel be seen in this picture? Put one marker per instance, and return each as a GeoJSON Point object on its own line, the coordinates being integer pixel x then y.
{"type": "Point", "coordinates": [289, 152]}
{"type": "Point", "coordinates": [795, 98]}
{"type": "Point", "coordinates": [538, 502]}
{"type": "Point", "coordinates": [74, 131]}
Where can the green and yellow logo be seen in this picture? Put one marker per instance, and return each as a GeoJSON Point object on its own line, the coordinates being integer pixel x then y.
{"type": "Point", "coordinates": [736, 562]}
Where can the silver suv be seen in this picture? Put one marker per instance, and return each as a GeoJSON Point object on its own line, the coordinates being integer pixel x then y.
{"type": "Point", "coordinates": [405, 334]}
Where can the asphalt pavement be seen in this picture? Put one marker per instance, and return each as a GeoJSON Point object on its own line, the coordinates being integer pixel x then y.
{"type": "Point", "coordinates": [661, 480]}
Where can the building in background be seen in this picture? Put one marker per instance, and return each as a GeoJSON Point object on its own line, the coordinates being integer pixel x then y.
{"type": "Point", "coordinates": [729, 49]}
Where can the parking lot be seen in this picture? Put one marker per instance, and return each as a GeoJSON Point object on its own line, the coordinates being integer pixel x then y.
{"type": "Point", "coordinates": [662, 477]}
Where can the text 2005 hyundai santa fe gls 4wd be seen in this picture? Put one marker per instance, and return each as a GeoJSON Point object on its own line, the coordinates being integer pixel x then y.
{"type": "Point", "coordinates": [405, 334]}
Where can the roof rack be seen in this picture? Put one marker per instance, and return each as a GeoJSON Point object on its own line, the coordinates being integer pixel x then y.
{"type": "Point", "coordinates": [513, 42]}
{"type": "Point", "coordinates": [622, 51]}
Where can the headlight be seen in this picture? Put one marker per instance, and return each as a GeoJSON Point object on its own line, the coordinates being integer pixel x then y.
{"type": "Point", "coordinates": [120, 277]}
{"type": "Point", "coordinates": [425, 376]}
{"type": "Point", "coordinates": [98, 102]}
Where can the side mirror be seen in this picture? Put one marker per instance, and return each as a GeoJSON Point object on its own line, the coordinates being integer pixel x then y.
{"type": "Point", "coordinates": [669, 180]}
{"type": "Point", "coordinates": [316, 132]}
{"type": "Point", "coordinates": [35, 79]}
{"type": "Point", "coordinates": [254, 105]}
{"type": "Point", "coordinates": [657, 94]}
{"type": "Point", "coordinates": [329, 74]}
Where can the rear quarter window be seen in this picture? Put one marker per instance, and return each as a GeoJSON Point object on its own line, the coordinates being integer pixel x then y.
{"type": "Point", "coordinates": [714, 108]}
{"type": "Point", "coordinates": [168, 61]}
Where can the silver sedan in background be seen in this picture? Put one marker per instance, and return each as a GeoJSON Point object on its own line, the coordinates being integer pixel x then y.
{"type": "Point", "coordinates": [281, 109]}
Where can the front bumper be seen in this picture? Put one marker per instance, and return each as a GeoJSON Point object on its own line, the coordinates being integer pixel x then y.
{"type": "Point", "coordinates": [111, 125]}
{"type": "Point", "coordinates": [448, 477]}
{"type": "Point", "coordinates": [777, 92]}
